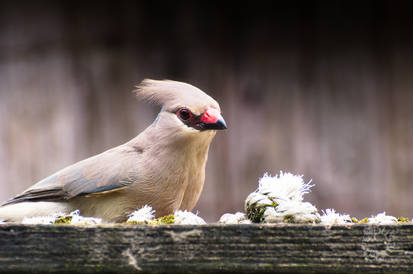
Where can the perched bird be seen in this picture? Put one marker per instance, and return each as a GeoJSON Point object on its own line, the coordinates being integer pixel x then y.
{"type": "Point", "coordinates": [164, 166]}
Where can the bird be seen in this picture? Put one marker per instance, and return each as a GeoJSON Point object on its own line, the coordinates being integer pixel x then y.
{"type": "Point", "coordinates": [163, 166]}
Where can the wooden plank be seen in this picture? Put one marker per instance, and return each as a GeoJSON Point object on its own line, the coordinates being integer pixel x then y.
{"type": "Point", "coordinates": [205, 248]}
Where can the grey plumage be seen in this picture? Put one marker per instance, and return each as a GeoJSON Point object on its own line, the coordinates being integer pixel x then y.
{"type": "Point", "coordinates": [164, 166]}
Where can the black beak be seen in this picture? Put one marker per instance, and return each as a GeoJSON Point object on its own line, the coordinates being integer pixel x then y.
{"type": "Point", "coordinates": [218, 125]}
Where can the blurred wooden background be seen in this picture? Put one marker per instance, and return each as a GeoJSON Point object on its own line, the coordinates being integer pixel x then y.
{"type": "Point", "coordinates": [320, 88]}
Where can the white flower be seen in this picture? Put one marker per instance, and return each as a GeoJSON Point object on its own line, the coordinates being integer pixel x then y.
{"type": "Point", "coordinates": [142, 216]}
{"type": "Point", "coordinates": [382, 219]}
{"type": "Point", "coordinates": [44, 220]}
{"type": "Point", "coordinates": [292, 211]}
{"type": "Point", "coordinates": [80, 220]}
{"type": "Point", "coordinates": [146, 214]}
{"type": "Point", "coordinates": [257, 200]}
{"type": "Point", "coordinates": [187, 218]}
{"type": "Point", "coordinates": [237, 218]}
{"type": "Point", "coordinates": [331, 217]}
{"type": "Point", "coordinates": [73, 218]}
{"type": "Point", "coordinates": [284, 186]}
{"type": "Point", "coordinates": [279, 199]}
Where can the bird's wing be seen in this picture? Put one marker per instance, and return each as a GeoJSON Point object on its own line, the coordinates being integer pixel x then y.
{"type": "Point", "coordinates": [109, 171]}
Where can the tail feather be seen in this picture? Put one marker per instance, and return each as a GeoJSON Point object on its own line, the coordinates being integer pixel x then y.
{"type": "Point", "coordinates": [17, 212]}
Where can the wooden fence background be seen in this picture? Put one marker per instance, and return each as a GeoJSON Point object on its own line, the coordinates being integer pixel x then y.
{"type": "Point", "coordinates": [320, 88]}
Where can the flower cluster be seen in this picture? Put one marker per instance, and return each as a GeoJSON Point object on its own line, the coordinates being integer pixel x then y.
{"type": "Point", "coordinates": [146, 215]}
{"type": "Point", "coordinates": [279, 198]}
{"type": "Point", "coordinates": [73, 218]}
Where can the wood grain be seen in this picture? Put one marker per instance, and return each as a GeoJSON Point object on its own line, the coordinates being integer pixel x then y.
{"type": "Point", "coordinates": [206, 248]}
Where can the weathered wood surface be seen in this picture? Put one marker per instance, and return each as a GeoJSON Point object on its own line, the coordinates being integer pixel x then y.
{"type": "Point", "coordinates": [207, 248]}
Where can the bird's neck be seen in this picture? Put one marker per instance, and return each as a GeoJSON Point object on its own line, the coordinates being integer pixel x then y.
{"type": "Point", "coordinates": [176, 145]}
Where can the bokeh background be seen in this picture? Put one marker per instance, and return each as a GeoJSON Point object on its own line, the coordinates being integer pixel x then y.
{"type": "Point", "coordinates": [319, 88]}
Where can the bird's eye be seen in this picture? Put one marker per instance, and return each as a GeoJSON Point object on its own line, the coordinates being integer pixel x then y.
{"type": "Point", "coordinates": [184, 114]}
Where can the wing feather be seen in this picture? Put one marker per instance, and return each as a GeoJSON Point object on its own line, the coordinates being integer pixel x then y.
{"type": "Point", "coordinates": [108, 171]}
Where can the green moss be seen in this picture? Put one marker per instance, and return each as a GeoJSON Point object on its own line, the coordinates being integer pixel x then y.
{"type": "Point", "coordinates": [256, 215]}
{"type": "Point", "coordinates": [289, 219]}
{"type": "Point", "coordinates": [402, 219]}
{"type": "Point", "coordinates": [63, 219]}
{"type": "Point", "coordinates": [132, 222]}
{"type": "Point", "coordinates": [138, 223]}
{"type": "Point", "coordinates": [168, 219]}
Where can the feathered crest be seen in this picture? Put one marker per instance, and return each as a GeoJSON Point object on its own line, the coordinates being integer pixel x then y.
{"type": "Point", "coordinates": [171, 94]}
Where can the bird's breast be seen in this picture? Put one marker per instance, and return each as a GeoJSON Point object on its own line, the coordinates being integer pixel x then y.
{"type": "Point", "coordinates": [176, 178]}
{"type": "Point", "coordinates": [171, 171]}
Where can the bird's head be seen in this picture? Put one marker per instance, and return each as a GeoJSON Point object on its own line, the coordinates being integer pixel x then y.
{"type": "Point", "coordinates": [184, 107]}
